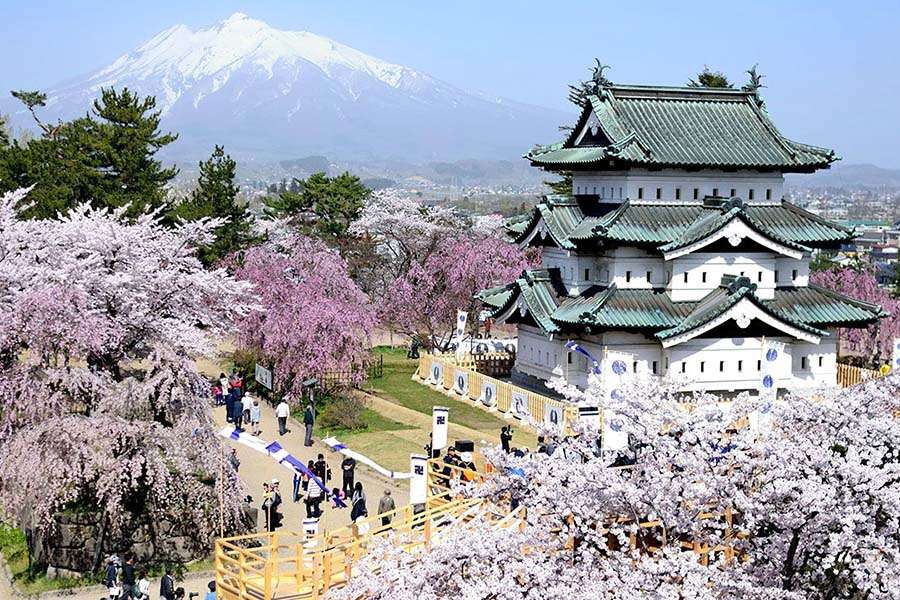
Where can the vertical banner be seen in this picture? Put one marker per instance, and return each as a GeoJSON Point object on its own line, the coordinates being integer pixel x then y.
{"type": "Point", "coordinates": [895, 359]}
{"type": "Point", "coordinates": [553, 415]}
{"type": "Point", "coordinates": [488, 393]}
{"type": "Point", "coordinates": [437, 373]}
{"type": "Point", "coordinates": [617, 371]}
{"type": "Point", "coordinates": [519, 405]}
{"type": "Point", "coordinates": [439, 425]}
{"type": "Point", "coordinates": [461, 382]}
{"type": "Point", "coordinates": [418, 483]}
{"type": "Point", "coordinates": [768, 382]}
{"type": "Point", "coordinates": [761, 420]}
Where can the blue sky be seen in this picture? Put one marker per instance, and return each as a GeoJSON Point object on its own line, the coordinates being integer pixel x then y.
{"type": "Point", "coordinates": [832, 67]}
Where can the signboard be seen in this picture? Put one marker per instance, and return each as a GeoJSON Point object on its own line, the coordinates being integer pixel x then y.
{"type": "Point", "coordinates": [589, 415]}
{"type": "Point", "coordinates": [488, 394]}
{"type": "Point", "coordinates": [263, 376]}
{"type": "Point", "coordinates": [439, 424]}
{"type": "Point", "coordinates": [437, 373]}
{"type": "Point", "coordinates": [418, 483]}
{"type": "Point", "coordinates": [553, 415]}
{"type": "Point", "coordinates": [461, 382]}
{"type": "Point", "coordinates": [519, 405]}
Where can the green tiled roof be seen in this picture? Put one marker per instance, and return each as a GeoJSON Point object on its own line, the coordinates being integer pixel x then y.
{"type": "Point", "coordinates": [679, 127]}
{"type": "Point", "coordinates": [651, 310]}
{"type": "Point", "coordinates": [669, 226]}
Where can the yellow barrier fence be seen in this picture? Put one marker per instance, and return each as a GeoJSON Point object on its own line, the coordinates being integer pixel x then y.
{"type": "Point", "coordinates": [848, 375]}
{"type": "Point", "coordinates": [443, 372]}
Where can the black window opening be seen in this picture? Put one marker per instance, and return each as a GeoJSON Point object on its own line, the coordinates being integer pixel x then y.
{"type": "Point", "coordinates": [655, 367]}
{"type": "Point", "coordinates": [750, 194]}
{"type": "Point", "coordinates": [678, 193]}
{"type": "Point", "coordinates": [721, 366]}
{"type": "Point", "coordinates": [768, 193]}
{"type": "Point", "coordinates": [658, 193]}
{"type": "Point", "coordinates": [587, 273]}
{"type": "Point", "coordinates": [628, 276]}
{"type": "Point", "coordinates": [696, 193]}
{"type": "Point", "coordinates": [648, 276]}
{"type": "Point", "coordinates": [640, 193]}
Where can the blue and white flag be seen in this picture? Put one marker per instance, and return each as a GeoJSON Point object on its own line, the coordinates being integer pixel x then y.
{"type": "Point", "coordinates": [280, 455]}
{"type": "Point", "coordinates": [575, 347]}
{"type": "Point", "coordinates": [460, 330]}
{"type": "Point", "coordinates": [337, 446]}
{"type": "Point", "coordinates": [617, 371]}
{"type": "Point", "coordinates": [768, 376]}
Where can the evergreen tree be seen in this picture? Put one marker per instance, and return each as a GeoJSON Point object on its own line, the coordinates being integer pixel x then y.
{"type": "Point", "coordinates": [710, 79]}
{"type": "Point", "coordinates": [216, 197]}
{"type": "Point", "coordinates": [106, 158]}
{"type": "Point", "coordinates": [5, 135]}
{"type": "Point", "coordinates": [324, 205]}
{"type": "Point", "coordinates": [562, 186]}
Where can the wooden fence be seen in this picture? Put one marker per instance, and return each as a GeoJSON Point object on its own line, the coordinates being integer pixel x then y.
{"type": "Point", "coordinates": [848, 375]}
{"type": "Point", "coordinates": [461, 380]}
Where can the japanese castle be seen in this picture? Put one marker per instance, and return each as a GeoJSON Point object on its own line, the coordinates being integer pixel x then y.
{"type": "Point", "coordinates": [676, 246]}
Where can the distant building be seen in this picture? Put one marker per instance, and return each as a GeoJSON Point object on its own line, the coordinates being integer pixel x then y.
{"type": "Point", "coordinates": [676, 246]}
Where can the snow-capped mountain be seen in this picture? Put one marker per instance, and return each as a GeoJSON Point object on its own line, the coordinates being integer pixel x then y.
{"type": "Point", "coordinates": [267, 93]}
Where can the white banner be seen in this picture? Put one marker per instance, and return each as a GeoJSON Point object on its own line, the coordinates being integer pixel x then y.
{"type": "Point", "coordinates": [895, 359]}
{"type": "Point", "coordinates": [768, 382]}
{"type": "Point", "coordinates": [617, 371]}
{"type": "Point", "coordinates": [553, 415]}
{"type": "Point", "coordinates": [337, 446]}
{"type": "Point", "coordinates": [461, 382]}
{"type": "Point", "coordinates": [437, 373]}
{"type": "Point", "coordinates": [519, 405]}
{"type": "Point", "coordinates": [439, 425]}
{"type": "Point", "coordinates": [460, 330]}
{"type": "Point", "coordinates": [488, 393]}
{"type": "Point", "coordinates": [418, 482]}
{"type": "Point", "coordinates": [615, 435]}
{"type": "Point", "coordinates": [761, 420]}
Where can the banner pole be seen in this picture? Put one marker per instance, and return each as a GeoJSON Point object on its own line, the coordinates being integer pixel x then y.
{"type": "Point", "coordinates": [222, 494]}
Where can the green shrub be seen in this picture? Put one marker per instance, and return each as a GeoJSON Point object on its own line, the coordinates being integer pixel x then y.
{"type": "Point", "coordinates": [342, 413]}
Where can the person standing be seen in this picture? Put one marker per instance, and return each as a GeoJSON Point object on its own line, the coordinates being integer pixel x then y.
{"type": "Point", "coordinates": [246, 405]}
{"type": "Point", "coordinates": [128, 579]}
{"type": "Point", "coordinates": [309, 419]}
{"type": "Point", "coordinates": [282, 412]}
{"type": "Point", "coordinates": [358, 500]}
{"type": "Point", "coordinates": [267, 505]}
{"type": "Point", "coordinates": [234, 460]}
{"type": "Point", "coordinates": [223, 383]}
{"type": "Point", "coordinates": [321, 469]}
{"type": "Point", "coordinates": [386, 505]}
{"type": "Point", "coordinates": [506, 437]}
{"type": "Point", "coordinates": [314, 495]}
{"type": "Point", "coordinates": [348, 474]}
{"type": "Point", "coordinates": [237, 408]}
{"type": "Point", "coordinates": [143, 587]}
{"type": "Point", "coordinates": [167, 586]}
{"type": "Point", "coordinates": [276, 505]}
{"type": "Point", "coordinates": [211, 594]}
{"type": "Point", "coordinates": [111, 579]}
{"type": "Point", "coordinates": [255, 414]}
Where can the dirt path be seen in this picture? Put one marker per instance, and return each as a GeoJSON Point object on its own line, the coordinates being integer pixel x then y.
{"type": "Point", "coordinates": [257, 469]}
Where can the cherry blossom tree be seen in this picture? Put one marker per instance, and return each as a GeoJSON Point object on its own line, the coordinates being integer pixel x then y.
{"type": "Point", "coordinates": [861, 284]}
{"type": "Point", "coordinates": [315, 319]}
{"type": "Point", "coordinates": [101, 321]}
{"type": "Point", "coordinates": [812, 482]}
{"type": "Point", "coordinates": [423, 301]}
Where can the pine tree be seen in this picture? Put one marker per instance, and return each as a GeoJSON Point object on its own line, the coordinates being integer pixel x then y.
{"type": "Point", "coordinates": [216, 196]}
{"type": "Point", "coordinates": [324, 205]}
{"type": "Point", "coordinates": [710, 79]}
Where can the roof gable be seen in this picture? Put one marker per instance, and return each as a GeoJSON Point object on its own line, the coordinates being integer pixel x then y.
{"type": "Point", "coordinates": [679, 127]}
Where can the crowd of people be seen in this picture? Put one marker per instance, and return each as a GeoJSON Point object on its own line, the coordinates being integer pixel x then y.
{"type": "Point", "coordinates": [124, 581]}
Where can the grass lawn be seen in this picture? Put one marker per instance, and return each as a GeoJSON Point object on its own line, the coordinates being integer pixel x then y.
{"type": "Point", "coordinates": [398, 386]}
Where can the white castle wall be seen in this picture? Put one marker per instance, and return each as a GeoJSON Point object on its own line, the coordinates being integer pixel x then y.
{"type": "Point", "coordinates": [669, 185]}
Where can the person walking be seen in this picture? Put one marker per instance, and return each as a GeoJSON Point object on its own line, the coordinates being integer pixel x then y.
{"type": "Point", "coordinates": [506, 437]}
{"type": "Point", "coordinates": [282, 412]}
{"type": "Point", "coordinates": [129, 580]}
{"type": "Point", "coordinates": [309, 419]}
{"type": "Point", "coordinates": [234, 460]}
{"type": "Point", "coordinates": [111, 579]}
{"type": "Point", "coordinates": [348, 474]}
{"type": "Point", "coordinates": [358, 500]}
{"type": "Point", "coordinates": [218, 396]}
{"type": "Point", "coordinates": [386, 505]}
{"type": "Point", "coordinates": [255, 415]}
{"type": "Point", "coordinates": [314, 496]}
{"type": "Point", "coordinates": [167, 585]}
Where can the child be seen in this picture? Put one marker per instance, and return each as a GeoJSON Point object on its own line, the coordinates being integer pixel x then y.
{"type": "Point", "coordinates": [255, 414]}
{"type": "Point", "coordinates": [217, 394]}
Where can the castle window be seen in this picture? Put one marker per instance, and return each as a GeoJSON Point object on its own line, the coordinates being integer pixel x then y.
{"type": "Point", "coordinates": [716, 192]}
{"type": "Point", "coordinates": [804, 363]}
{"type": "Point", "coordinates": [740, 366]}
{"type": "Point", "coordinates": [648, 276]}
{"type": "Point", "coordinates": [759, 365]}
{"type": "Point", "coordinates": [634, 367]}
{"type": "Point", "coordinates": [678, 193]}
{"type": "Point", "coordinates": [620, 193]}
{"type": "Point", "coordinates": [733, 192]}
{"type": "Point", "coordinates": [685, 277]}
{"type": "Point", "coordinates": [640, 193]}
{"type": "Point", "coordinates": [627, 276]}
{"type": "Point", "coordinates": [821, 360]}
{"type": "Point", "coordinates": [704, 277]}
{"type": "Point", "coordinates": [776, 275]}
{"type": "Point", "coordinates": [759, 277]}
{"type": "Point", "coordinates": [721, 366]}
{"type": "Point", "coordinates": [794, 275]}
{"type": "Point", "coordinates": [696, 193]}
{"type": "Point", "coordinates": [569, 358]}
{"type": "Point", "coordinates": [595, 190]}
{"type": "Point", "coordinates": [768, 193]}
{"type": "Point", "coordinates": [577, 189]}
{"type": "Point", "coordinates": [587, 274]}
{"type": "Point", "coordinates": [684, 366]}
{"type": "Point", "coordinates": [750, 194]}
{"type": "Point", "coordinates": [702, 366]}
{"type": "Point", "coordinates": [658, 193]}
{"type": "Point", "coordinates": [655, 367]}
{"type": "Point", "coordinates": [667, 363]}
